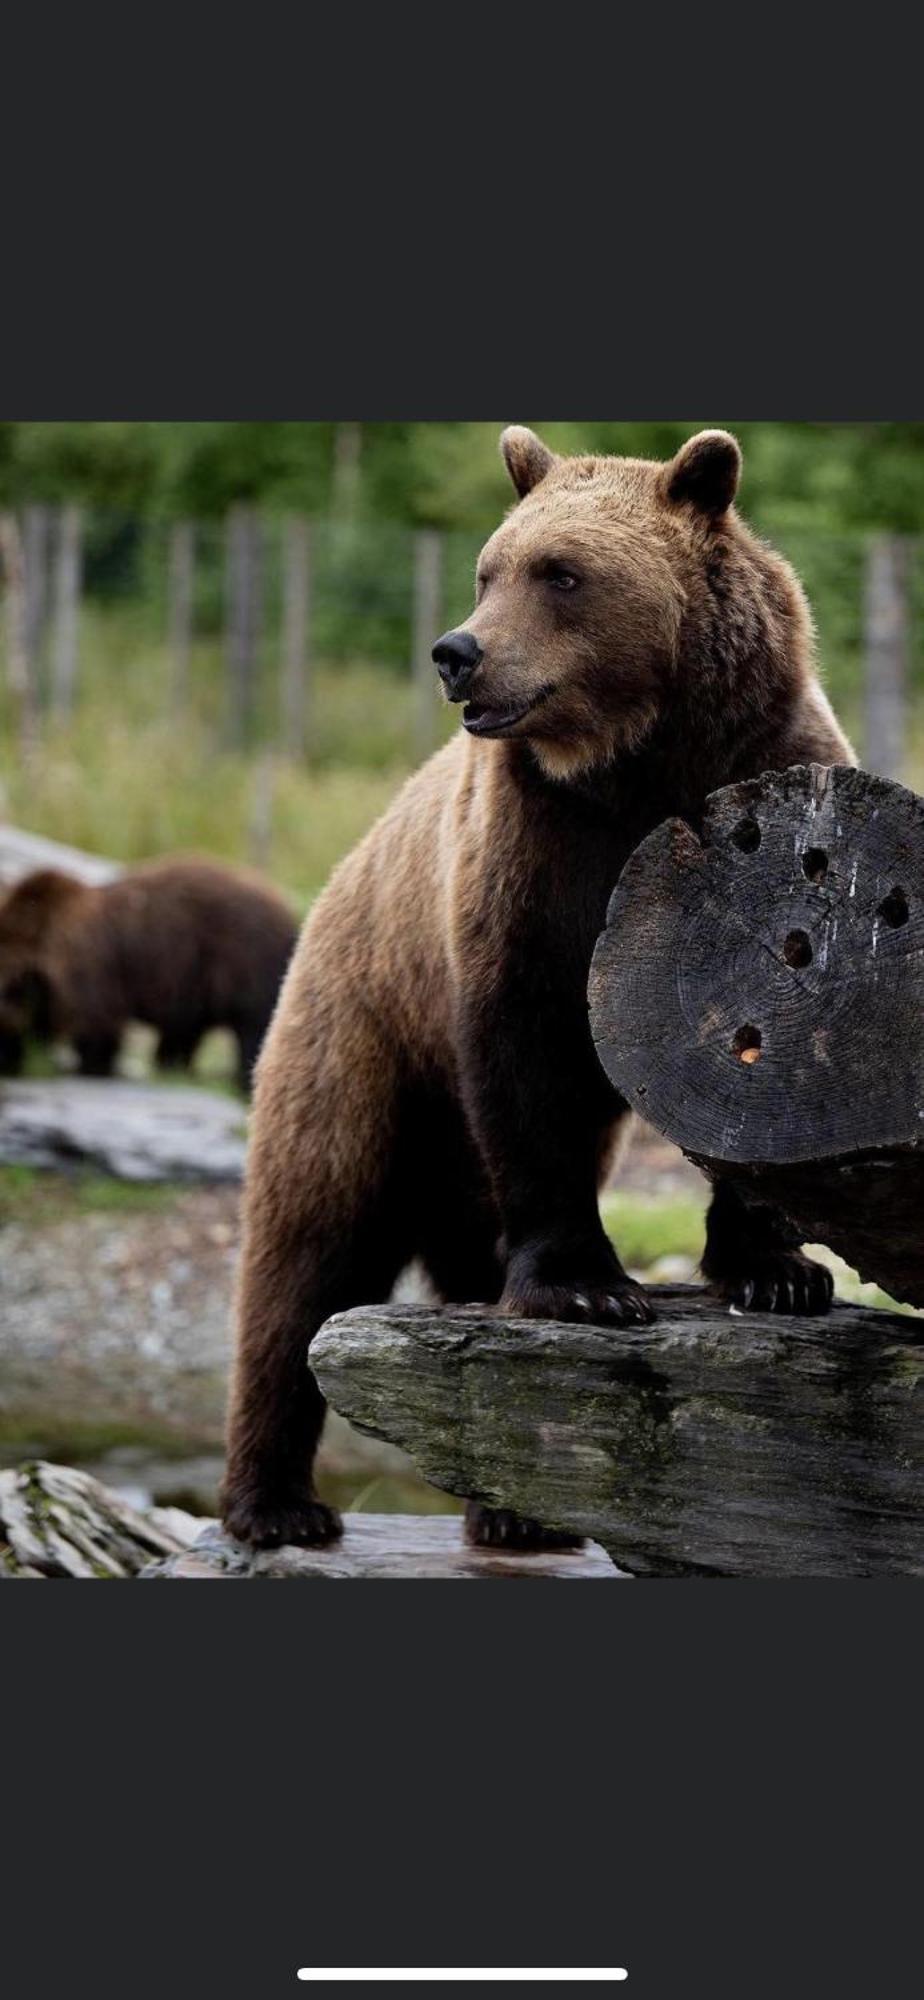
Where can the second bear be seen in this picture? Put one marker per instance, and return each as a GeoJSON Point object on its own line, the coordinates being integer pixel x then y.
{"type": "Point", "coordinates": [183, 945]}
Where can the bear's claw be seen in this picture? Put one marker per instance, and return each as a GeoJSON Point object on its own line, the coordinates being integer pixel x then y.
{"type": "Point", "coordinates": [786, 1282]}
{"type": "Point", "coordinates": [501, 1528]}
{"type": "Point", "coordinates": [303, 1523]}
{"type": "Point", "coordinates": [614, 1304]}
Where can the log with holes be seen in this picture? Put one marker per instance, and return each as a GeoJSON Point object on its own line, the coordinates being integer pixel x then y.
{"type": "Point", "coordinates": [758, 996]}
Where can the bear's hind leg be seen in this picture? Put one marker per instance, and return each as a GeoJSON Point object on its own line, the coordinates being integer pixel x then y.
{"type": "Point", "coordinates": [327, 1227]}
{"type": "Point", "coordinates": [460, 1250]}
{"type": "Point", "coordinates": [96, 1051]}
{"type": "Point", "coordinates": [176, 1048]}
{"type": "Point", "coordinates": [754, 1260]}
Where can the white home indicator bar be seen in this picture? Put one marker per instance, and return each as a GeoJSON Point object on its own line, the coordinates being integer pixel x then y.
{"type": "Point", "coordinates": [465, 1972]}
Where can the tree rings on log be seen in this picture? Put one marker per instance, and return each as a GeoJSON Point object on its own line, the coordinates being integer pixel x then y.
{"type": "Point", "coordinates": [758, 992]}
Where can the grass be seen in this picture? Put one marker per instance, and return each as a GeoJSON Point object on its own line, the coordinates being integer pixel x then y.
{"type": "Point", "coordinates": [129, 779]}
{"type": "Point", "coordinates": [36, 1197]}
{"type": "Point", "coordinates": [647, 1228]}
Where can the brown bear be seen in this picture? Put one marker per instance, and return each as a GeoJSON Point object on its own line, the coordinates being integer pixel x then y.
{"type": "Point", "coordinates": [184, 945]}
{"type": "Point", "coordinates": [430, 1087]}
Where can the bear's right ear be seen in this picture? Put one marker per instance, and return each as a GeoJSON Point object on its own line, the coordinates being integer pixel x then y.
{"type": "Point", "coordinates": [526, 457]}
{"type": "Point", "coordinates": [705, 471]}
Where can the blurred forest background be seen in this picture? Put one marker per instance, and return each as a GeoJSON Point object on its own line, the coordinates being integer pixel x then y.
{"type": "Point", "coordinates": [218, 635]}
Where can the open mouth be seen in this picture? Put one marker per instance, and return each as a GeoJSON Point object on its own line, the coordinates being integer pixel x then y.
{"type": "Point", "coordinates": [480, 720]}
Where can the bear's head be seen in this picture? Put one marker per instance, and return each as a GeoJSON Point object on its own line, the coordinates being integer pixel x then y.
{"type": "Point", "coordinates": [30, 917]}
{"type": "Point", "coordinates": [618, 591]}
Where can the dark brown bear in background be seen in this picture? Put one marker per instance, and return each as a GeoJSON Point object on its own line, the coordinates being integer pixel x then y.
{"type": "Point", "coordinates": [183, 945]}
{"type": "Point", "coordinates": [430, 1087]}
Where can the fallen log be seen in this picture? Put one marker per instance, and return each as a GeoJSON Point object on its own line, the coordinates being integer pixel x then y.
{"type": "Point", "coordinates": [709, 1443]}
{"type": "Point", "coordinates": [56, 1522]}
{"type": "Point", "coordinates": [758, 995]}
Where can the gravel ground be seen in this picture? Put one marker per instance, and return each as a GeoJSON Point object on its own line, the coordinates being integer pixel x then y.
{"type": "Point", "coordinates": [116, 1345]}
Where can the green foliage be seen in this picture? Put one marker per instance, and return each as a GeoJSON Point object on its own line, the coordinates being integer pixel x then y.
{"type": "Point", "coordinates": [648, 1227]}
{"type": "Point", "coordinates": [34, 1197]}
{"type": "Point", "coordinates": [816, 490]}
{"type": "Point", "coordinates": [833, 476]}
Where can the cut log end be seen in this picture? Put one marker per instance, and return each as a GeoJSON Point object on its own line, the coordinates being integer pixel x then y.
{"type": "Point", "coordinates": [758, 995]}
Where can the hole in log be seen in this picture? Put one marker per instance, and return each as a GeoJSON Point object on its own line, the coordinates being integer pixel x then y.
{"type": "Point", "coordinates": [894, 909]}
{"type": "Point", "coordinates": [746, 835]}
{"type": "Point", "coordinates": [797, 949]}
{"type": "Point", "coordinates": [815, 864]}
{"type": "Point", "coordinates": [747, 1044]}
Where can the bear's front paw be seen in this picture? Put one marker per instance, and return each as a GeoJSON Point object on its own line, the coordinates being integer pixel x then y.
{"type": "Point", "coordinates": [617, 1303]}
{"type": "Point", "coordinates": [501, 1528]}
{"type": "Point", "coordinates": [784, 1282]}
{"type": "Point", "coordinates": [272, 1524]}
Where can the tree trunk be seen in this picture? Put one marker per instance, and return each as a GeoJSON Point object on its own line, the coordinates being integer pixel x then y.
{"type": "Point", "coordinates": [36, 537]}
{"type": "Point", "coordinates": [181, 577]}
{"type": "Point", "coordinates": [346, 472]}
{"type": "Point", "coordinates": [428, 571]}
{"type": "Point", "coordinates": [19, 673]}
{"type": "Point", "coordinates": [68, 565]}
{"type": "Point", "coordinates": [260, 824]}
{"type": "Point", "coordinates": [886, 620]}
{"type": "Point", "coordinates": [758, 995]}
{"type": "Point", "coordinates": [706, 1444]}
{"type": "Point", "coordinates": [296, 637]}
{"type": "Point", "coordinates": [243, 601]}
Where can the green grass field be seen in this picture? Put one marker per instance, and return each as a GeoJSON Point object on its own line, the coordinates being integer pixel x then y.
{"type": "Point", "coordinates": [129, 779]}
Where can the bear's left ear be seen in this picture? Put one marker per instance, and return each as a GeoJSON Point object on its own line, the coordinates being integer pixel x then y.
{"type": "Point", "coordinates": [526, 457]}
{"type": "Point", "coordinates": [705, 472]}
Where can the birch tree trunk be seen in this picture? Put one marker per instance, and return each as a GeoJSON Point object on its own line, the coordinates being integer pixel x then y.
{"type": "Point", "coordinates": [243, 601]}
{"type": "Point", "coordinates": [296, 637]}
{"type": "Point", "coordinates": [36, 536]}
{"type": "Point", "coordinates": [181, 566]}
{"type": "Point", "coordinates": [18, 666]}
{"type": "Point", "coordinates": [68, 568]}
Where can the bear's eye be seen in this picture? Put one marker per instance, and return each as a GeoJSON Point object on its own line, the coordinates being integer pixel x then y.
{"type": "Point", "coordinates": [561, 577]}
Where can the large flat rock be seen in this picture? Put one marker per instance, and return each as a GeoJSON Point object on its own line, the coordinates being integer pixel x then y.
{"type": "Point", "coordinates": [137, 1131]}
{"type": "Point", "coordinates": [707, 1444]}
{"type": "Point", "coordinates": [21, 853]}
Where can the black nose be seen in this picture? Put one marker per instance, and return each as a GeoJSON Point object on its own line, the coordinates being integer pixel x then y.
{"type": "Point", "coordinates": [456, 655]}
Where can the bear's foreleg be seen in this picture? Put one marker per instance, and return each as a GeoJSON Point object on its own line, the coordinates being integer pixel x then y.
{"type": "Point", "coordinates": [543, 1114]}
{"type": "Point", "coordinates": [753, 1258]}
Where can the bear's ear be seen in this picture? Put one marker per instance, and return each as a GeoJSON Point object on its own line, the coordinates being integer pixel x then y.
{"type": "Point", "coordinates": [705, 472]}
{"type": "Point", "coordinates": [526, 457]}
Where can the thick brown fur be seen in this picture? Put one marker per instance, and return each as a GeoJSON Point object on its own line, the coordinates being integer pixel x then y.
{"type": "Point", "coordinates": [429, 1087]}
{"type": "Point", "coordinates": [184, 945]}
